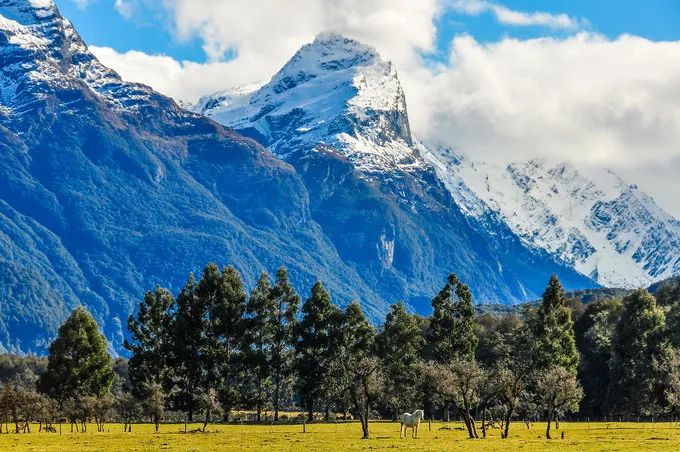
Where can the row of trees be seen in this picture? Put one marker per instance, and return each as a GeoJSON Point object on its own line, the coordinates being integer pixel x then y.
{"type": "Point", "coordinates": [214, 349]}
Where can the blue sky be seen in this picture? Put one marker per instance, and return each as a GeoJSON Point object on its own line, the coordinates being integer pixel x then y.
{"type": "Point", "coordinates": [150, 27]}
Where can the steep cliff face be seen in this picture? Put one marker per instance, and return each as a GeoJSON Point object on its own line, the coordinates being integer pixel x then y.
{"type": "Point", "coordinates": [337, 112]}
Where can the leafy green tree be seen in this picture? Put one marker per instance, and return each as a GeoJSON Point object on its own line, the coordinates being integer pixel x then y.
{"type": "Point", "coordinates": [154, 402]}
{"type": "Point", "coordinates": [399, 347]}
{"type": "Point", "coordinates": [128, 409]}
{"type": "Point", "coordinates": [671, 381]}
{"type": "Point", "coordinates": [668, 293]}
{"type": "Point", "coordinates": [495, 336]}
{"type": "Point", "coordinates": [673, 324]}
{"type": "Point", "coordinates": [553, 330]}
{"type": "Point", "coordinates": [637, 346]}
{"type": "Point", "coordinates": [151, 343]}
{"type": "Point", "coordinates": [594, 331]}
{"type": "Point", "coordinates": [21, 371]}
{"type": "Point", "coordinates": [314, 348]}
{"type": "Point", "coordinates": [460, 382]}
{"type": "Point", "coordinates": [78, 363]}
{"type": "Point", "coordinates": [258, 343]}
{"type": "Point", "coordinates": [286, 305]}
{"type": "Point", "coordinates": [452, 324]}
{"type": "Point", "coordinates": [559, 392]}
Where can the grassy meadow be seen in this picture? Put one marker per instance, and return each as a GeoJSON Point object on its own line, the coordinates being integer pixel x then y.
{"type": "Point", "coordinates": [580, 437]}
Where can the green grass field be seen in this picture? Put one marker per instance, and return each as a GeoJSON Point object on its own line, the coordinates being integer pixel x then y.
{"type": "Point", "coordinates": [580, 437]}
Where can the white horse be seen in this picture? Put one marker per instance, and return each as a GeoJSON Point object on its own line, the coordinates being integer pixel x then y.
{"type": "Point", "coordinates": [410, 420]}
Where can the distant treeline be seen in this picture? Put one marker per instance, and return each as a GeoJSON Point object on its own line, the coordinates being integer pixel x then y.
{"type": "Point", "coordinates": [214, 349]}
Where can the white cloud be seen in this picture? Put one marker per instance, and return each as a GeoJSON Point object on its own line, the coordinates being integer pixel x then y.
{"type": "Point", "coordinates": [184, 80]}
{"type": "Point", "coordinates": [264, 37]}
{"type": "Point", "coordinates": [124, 7]}
{"type": "Point", "coordinates": [508, 16]}
{"type": "Point", "coordinates": [82, 4]}
{"type": "Point", "coordinates": [585, 98]}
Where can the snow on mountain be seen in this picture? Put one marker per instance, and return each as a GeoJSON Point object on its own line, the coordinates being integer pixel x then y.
{"type": "Point", "coordinates": [592, 220]}
{"type": "Point", "coordinates": [334, 91]}
{"type": "Point", "coordinates": [44, 53]}
{"type": "Point", "coordinates": [337, 112]}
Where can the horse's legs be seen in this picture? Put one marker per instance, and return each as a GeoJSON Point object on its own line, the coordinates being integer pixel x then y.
{"type": "Point", "coordinates": [401, 431]}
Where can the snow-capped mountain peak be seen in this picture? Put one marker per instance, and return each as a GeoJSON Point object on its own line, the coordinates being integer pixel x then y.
{"type": "Point", "coordinates": [589, 218]}
{"type": "Point", "coordinates": [44, 57]}
{"type": "Point", "coordinates": [335, 92]}
{"type": "Point", "coordinates": [327, 54]}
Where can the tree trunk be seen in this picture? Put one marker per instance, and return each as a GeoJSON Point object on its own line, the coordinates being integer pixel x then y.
{"type": "Point", "coordinates": [484, 422]}
{"type": "Point", "coordinates": [557, 422]}
{"type": "Point", "coordinates": [259, 410]}
{"type": "Point", "coordinates": [277, 395]}
{"type": "Point", "coordinates": [547, 430]}
{"type": "Point", "coordinates": [363, 417]}
{"type": "Point", "coordinates": [156, 420]}
{"type": "Point", "coordinates": [469, 424]}
{"type": "Point", "coordinates": [207, 418]}
{"type": "Point", "coordinates": [508, 416]}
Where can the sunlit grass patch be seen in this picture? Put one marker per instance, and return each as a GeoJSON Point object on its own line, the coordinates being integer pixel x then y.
{"type": "Point", "coordinates": [580, 437]}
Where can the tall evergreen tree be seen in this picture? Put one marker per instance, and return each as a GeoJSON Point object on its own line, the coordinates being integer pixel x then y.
{"type": "Point", "coordinates": [399, 347]}
{"type": "Point", "coordinates": [452, 325]}
{"type": "Point", "coordinates": [186, 350]}
{"type": "Point", "coordinates": [79, 364]}
{"type": "Point", "coordinates": [151, 343]}
{"type": "Point", "coordinates": [222, 298]}
{"type": "Point", "coordinates": [553, 330]}
{"type": "Point", "coordinates": [286, 305]}
{"type": "Point", "coordinates": [637, 345]}
{"type": "Point", "coordinates": [353, 364]}
{"type": "Point", "coordinates": [258, 343]}
{"type": "Point", "coordinates": [314, 348]}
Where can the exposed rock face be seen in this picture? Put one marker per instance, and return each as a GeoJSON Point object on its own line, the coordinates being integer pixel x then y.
{"type": "Point", "coordinates": [336, 111]}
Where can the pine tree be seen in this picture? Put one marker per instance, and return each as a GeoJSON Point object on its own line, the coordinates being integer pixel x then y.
{"type": "Point", "coordinates": [151, 343]}
{"type": "Point", "coordinates": [452, 325]}
{"type": "Point", "coordinates": [399, 348]}
{"type": "Point", "coordinates": [286, 304]}
{"type": "Point", "coordinates": [258, 341]}
{"type": "Point", "coordinates": [553, 331]}
{"type": "Point", "coordinates": [637, 344]}
{"type": "Point", "coordinates": [79, 364]}
{"type": "Point", "coordinates": [314, 348]}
